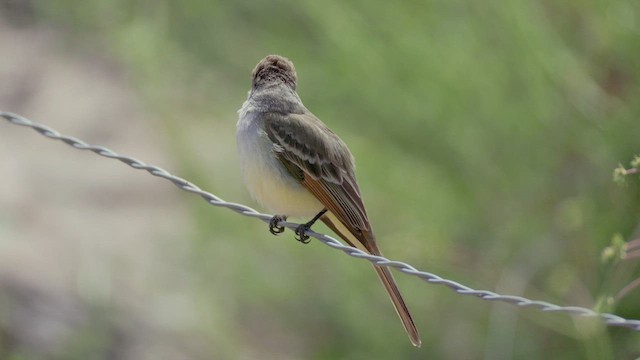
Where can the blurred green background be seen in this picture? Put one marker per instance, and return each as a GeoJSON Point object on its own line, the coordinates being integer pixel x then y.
{"type": "Point", "coordinates": [485, 135]}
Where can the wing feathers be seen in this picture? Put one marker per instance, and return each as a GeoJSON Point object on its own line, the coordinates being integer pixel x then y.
{"type": "Point", "coordinates": [303, 140]}
{"type": "Point", "coordinates": [322, 163]}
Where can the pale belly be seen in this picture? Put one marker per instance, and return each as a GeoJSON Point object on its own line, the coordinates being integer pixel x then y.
{"type": "Point", "coordinates": [266, 178]}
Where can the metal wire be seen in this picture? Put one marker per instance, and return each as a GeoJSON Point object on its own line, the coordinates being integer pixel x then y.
{"type": "Point", "coordinates": [608, 319]}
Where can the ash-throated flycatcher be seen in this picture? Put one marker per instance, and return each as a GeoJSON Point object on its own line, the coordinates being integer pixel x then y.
{"type": "Point", "coordinates": [296, 166]}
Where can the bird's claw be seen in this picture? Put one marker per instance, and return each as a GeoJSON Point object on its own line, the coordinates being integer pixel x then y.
{"type": "Point", "coordinates": [274, 227]}
{"type": "Point", "coordinates": [301, 231]}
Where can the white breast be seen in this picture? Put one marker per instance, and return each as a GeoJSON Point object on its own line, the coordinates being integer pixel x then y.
{"type": "Point", "coordinates": [266, 178]}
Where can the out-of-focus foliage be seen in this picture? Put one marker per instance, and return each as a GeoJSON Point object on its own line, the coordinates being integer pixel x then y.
{"type": "Point", "coordinates": [485, 133]}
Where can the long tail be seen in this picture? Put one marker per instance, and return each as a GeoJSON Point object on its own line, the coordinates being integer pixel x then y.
{"type": "Point", "coordinates": [401, 308]}
{"type": "Point", "coordinates": [383, 273]}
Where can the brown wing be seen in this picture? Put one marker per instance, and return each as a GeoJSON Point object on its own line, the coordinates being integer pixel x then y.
{"type": "Point", "coordinates": [315, 156]}
{"type": "Point", "coordinates": [321, 161]}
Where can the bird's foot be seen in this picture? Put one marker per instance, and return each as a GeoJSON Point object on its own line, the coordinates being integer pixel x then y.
{"type": "Point", "coordinates": [301, 231]}
{"type": "Point", "coordinates": [274, 227]}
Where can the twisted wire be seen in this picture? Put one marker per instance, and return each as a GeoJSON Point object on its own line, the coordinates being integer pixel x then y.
{"type": "Point", "coordinates": [606, 318]}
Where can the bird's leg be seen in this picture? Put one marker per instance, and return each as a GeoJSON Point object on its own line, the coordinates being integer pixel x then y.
{"type": "Point", "coordinates": [301, 230]}
{"type": "Point", "coordinates": [274, 228]}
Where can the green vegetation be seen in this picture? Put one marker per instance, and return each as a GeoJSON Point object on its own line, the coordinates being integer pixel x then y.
{"type": "Point", "coordinates": [485, 135]}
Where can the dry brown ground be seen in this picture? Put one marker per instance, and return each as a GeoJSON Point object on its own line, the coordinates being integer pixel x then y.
{"type": "Point", "coordinates": [88, 246]}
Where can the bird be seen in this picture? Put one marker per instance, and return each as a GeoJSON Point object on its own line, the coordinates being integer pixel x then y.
{"type": "Point", "coordinates": [295, 166]}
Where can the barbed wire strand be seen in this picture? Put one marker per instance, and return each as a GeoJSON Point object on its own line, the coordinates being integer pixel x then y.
{"type": "Point", "coordinates": [608, 319]}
